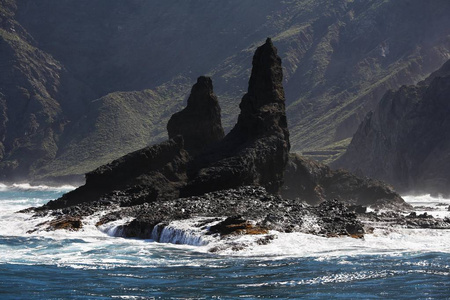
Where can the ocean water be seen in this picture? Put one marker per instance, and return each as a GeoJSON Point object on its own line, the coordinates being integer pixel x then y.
{"type": "Point", "coordinates": [90, 264]}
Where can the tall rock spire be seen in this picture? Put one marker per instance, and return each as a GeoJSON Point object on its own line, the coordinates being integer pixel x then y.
{"type": "Point", "coordinates": [255, 152]}
{"type": "Point", "coordinates": [263, 106]}
{"type": "Point", "coordinates": [200, 122]}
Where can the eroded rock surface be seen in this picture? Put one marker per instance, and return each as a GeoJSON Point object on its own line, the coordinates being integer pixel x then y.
{"type": "Point", "coordinates": [153, 173]}
{"type": "Point", "coordinates": [232, 183]}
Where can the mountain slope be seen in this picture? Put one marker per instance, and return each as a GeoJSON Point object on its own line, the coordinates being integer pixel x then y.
{"type": "Point", "coordinates": [338, 57]}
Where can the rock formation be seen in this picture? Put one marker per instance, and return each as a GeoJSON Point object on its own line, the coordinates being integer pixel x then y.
{"type": "Point", "coordinates": [406, 140]}
{"type": "Point", "coordinates": [314, 182]}
{"type": "Point", "coordinates": [233, 183]}
{"type": "Point", "coordinates": [153, 173]}
{"type": "Point", "coordinates": [200, 122]}
{"type": "Point", "coordinates": [255, 152]}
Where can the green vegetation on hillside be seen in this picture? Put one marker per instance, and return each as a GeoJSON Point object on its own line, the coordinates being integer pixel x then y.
{"type": "Point", "coordinates": [84, 82]}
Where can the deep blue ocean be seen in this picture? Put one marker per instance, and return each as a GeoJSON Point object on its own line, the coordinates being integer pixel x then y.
{"type": "Point", "coordinates": [389, 264]}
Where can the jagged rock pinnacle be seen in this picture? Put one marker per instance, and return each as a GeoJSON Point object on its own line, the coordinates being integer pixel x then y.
{"type": "Point", "coordinates": [255, 152]}
{"type": "Point", "coordinates": [200, 122]}
{"type": "Point", "coordinates": [263, 107]}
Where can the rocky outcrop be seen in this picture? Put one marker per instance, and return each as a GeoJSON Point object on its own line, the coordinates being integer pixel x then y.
{"type": "Point", "coordinates": [153, 173]}
{"type": "Point", "coordinates": [255, 152]}
{"type": "Point", "coordinates": [245, 210]}
{"type": "Point", "coordinates": [200, 122]}
{"type": "Point", "coordinates": [314, 182]}
{"type": "Point", "coordinates": [406, 139]}
{"type": "Point", "coordinates": [226, 186]}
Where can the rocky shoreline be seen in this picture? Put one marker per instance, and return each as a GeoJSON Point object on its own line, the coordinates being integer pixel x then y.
{"type": "Point", "coordinates": [244, 183]}
{"type": "Point", "coordinates": [228, 214]}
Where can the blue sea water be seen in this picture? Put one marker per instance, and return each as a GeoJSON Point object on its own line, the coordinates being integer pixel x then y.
{"type": "Point", "coordinates": [389, 264]}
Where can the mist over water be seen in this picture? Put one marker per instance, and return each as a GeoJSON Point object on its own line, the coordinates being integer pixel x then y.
{"type": "Point", "coordinates": [90, 264]}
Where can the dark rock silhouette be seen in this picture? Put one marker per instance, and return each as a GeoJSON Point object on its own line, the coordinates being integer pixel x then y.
{"type": "Point", "coordinates": [315, 182]}
{"type": "Point", "coordinates": [238, 176]}
{"type": "Point", "coordinates": [406, 139]}
{"type": "Point", "coordinates": [255, 152]}
{"type": "Point", "coordinates": [153, 173]}
{"type": "Point", "coordinates": [200, 122]}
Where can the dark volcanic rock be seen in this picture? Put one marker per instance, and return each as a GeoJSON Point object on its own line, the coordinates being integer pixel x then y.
{"type": "Point", "coordinates": [236, 225]}
{"type": "Point", "coordinates": [406, 140]}
{"type": "Point", "coordinates": [255, 152]}
{"type": "Point", "coordinates": [247, 210]}
{"type": "Point", "coordinates": [314, 182]}
{"type": "Point", "coordinates": [200, 122]}
{"type": "Point", "coordinates": [239, 175]}
{"type": "Point", "coordinates": [153, 173]}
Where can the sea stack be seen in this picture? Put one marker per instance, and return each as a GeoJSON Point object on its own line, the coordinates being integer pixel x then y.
{"type": "Point", "coordinates": [200, 122]}
{"type": "Point", "coordinates": [255, 152]}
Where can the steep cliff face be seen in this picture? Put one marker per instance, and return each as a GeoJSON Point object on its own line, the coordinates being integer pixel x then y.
{"type": "Point", "coordinates": [405, 141]}
{"type": "Point", "coordinates": [34, 108]}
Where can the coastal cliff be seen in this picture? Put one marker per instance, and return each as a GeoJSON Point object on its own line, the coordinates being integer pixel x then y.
{"type": "Point", "coordinates": [405, 141]}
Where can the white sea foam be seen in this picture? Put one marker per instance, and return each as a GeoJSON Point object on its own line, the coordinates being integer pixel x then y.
{"type": "Point", "coordinates": [435, 206]}
{"type": "Point", "coordinates": [3, 187]}
{"type": "Point", "coordinates": [94, 248]}
{"type": "Point", "coordinates": [27, 186]}
{"type": "Point", "coordinates": [187, 232]}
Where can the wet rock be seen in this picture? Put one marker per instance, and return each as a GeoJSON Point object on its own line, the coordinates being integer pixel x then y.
{"type": "Point", "coordinates": [236, 225]}
{"type": "Point", "coordinates": [336, 219]}
{"type": "Point", "coordinates": [65, 222]}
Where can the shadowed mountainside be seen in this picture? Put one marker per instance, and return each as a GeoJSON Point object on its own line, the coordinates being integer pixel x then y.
{"type": "Point", "coordinates": [406, 139]}
{"type": "Point", "coordinates": [84, 82]}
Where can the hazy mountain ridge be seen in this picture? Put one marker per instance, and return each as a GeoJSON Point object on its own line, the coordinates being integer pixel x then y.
{"type": "Point", "coordinates": [338, 59]}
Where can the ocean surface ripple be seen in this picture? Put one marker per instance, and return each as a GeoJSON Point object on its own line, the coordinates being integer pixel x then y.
{"type": "Point", "coordinates": [93, 264]}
